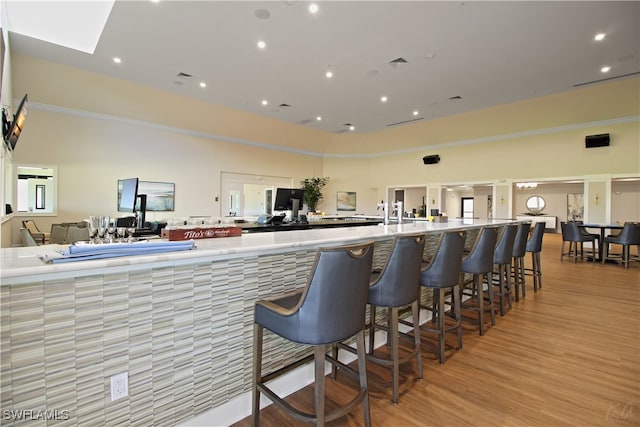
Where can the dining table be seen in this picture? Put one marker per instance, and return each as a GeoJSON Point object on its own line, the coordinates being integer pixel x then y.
{"type": "Point", "coordinates": [602, 228]}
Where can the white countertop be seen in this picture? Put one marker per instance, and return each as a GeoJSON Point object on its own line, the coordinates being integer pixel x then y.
{"type": "Point", "coordinates": [22, 265]}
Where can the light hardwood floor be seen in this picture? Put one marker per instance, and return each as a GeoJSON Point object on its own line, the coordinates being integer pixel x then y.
{"type": "Point", "coordinates": [568, 355]}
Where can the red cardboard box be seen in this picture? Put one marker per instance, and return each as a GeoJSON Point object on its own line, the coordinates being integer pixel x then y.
{"type": "Point", "coordinates": [200, 233]}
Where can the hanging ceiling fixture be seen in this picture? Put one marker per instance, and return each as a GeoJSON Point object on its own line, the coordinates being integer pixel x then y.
{"type": "Point", "coordinates": [526, 185]}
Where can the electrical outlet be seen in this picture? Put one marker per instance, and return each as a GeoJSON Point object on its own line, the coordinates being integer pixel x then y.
{"type": "Point", "coordinates": [119, 386]}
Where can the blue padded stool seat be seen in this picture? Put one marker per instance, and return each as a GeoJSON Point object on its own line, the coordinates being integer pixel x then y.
{"type": "Point", "coordinates": [517, 266]}
{"type": "Point", "coordinates": [442, 273]}
{"type": "Point", "coordinates": [331, 308]}
{"type": "Point", "coordinates": [534, 246]}
{"type": "Point", "coordinates": [479, 263]}
{"type": "Point", "coordinates": [502, 256]}
{"type": "Point", "coordinates": [396, 286]}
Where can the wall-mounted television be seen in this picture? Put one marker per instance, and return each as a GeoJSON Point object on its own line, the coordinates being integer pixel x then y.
{"type": "Point", "coordinates": [15, 127]}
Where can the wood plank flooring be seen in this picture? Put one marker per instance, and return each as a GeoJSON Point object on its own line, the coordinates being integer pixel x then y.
{"type": "Point", "coordinates": [568, 355]}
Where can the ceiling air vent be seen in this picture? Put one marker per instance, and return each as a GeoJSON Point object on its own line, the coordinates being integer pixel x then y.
{"type": "Point", "coordinates": [398, 62]}
{"type": "Point", "coordinates": [456, 97]}
{"type": "Point", "coordinates": [305, 121]}
{"type": "Point", "coordinates": [346, 128]}
{"type": "Point", "coordinates": [283, 105]}
{"type": "Point", "coordinates": [184, 75]}
{"type": "Point", "coordinates": [405, 122]}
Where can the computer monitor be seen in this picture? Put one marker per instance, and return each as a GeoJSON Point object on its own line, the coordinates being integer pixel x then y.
{"type": "Point", "coordinates": [128, 196]}
{"type": "Point", "coordinates": [289, 199]}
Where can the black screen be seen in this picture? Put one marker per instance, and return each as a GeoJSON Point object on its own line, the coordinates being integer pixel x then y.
{"type": "Point", "coordinates": [285, 197]}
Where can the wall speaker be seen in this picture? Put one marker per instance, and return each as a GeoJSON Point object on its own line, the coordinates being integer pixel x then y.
{"type": "Point", "coordinates": [592, 141]}
{"type": "Point", "coordinates": [430, 160]}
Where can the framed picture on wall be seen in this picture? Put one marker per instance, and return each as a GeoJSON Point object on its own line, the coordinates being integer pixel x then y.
{"type": "Point", "coordinates": [575, 206]}
{"type": "Point", "coordinates": [160, 195]}
{"type": "Point", "coordinates": [346, 200]}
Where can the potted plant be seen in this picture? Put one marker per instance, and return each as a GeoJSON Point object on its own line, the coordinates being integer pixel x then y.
{"type": "Point", "coordinates": [313, 191]}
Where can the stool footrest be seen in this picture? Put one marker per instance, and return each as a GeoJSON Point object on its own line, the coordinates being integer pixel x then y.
{"type": "Point", "coordinates": [307, 417]}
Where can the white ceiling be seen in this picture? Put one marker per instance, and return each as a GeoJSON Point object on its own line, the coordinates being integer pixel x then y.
{"type": "Point", "coordinates": [486, 53]}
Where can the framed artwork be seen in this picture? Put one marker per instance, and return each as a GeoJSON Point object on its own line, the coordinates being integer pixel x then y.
{"type": "Point", "coordinates": [160, 195]}
{"type": "Point", "coordinates": [575, 206]}
{"type": "Point", "coordinates": [346, 200]}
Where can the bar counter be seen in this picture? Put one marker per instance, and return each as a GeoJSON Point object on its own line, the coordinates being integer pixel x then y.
{"type": "Point", "coordinates": [179, 323]}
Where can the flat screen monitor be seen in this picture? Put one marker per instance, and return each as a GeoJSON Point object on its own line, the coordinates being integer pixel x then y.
{"type": "Point", "coordinates": [289, 199]}
{"type": "Point", "coordinates": [127, 195]}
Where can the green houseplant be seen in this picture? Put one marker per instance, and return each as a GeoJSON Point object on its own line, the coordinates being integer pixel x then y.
{"type": "Point", "coordinates": [313, 191]}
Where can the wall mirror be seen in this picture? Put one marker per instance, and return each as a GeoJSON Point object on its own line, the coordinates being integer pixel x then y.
{"type": "Point", "coordinates": [36, 189]}
{"type": "Point", "coordinates": [247, 194]}
{"type": "Point", "coordinates": [535, 205]}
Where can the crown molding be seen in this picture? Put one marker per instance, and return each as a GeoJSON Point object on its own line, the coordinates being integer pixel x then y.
{"type": "Point", "coordinates": [233, 140]}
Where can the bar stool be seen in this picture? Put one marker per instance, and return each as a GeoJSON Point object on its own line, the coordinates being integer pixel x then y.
{"type": "Point", "coordinates": [519, 251]}
{"type": "Point", "coordinates": [479, 262]}
{"type": "Point", "coordinates": [534, 246]}
{"type": "Point", "coordinates": [440, 274]}
{"type": "Point", "coordinates": [330, 309]}
{"type": "Point", "coordinates": [394, 287]}
{"type": "Point", "coordinates": [572, 233]}
{"type": "Point", "coordinates": [629, 236]}
{"type": "Point", "coordinates": [502, 255]}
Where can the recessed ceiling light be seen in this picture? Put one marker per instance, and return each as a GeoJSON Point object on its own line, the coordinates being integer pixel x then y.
{"type": "Point", "coordinates": [415, 113]}
{"type": "Point", "coordinates": [599, 37]}
{"type": "Point", "coordinates": [383, 99]}
{"type": "Point", "coordinates": [605, 69]}
{"type": "Point", "coordinates": [352, 127]}
{"type": "Point", "coordinates": [117, 60]}
{"type": "Point", "coordinates": [203, 84]}
{"type": "Point", "coordinates": [313, 8]}
{"type": "Point", "coordinates": [265, 102]}
{"type": "Point", "coordinates": [329, 74]}
{"type": "Point", "coordinates": [318, 118]}
{"type": "Point", "coordinates": [261, 44]}
{"type": "Point", "coordinates": [430, 55]}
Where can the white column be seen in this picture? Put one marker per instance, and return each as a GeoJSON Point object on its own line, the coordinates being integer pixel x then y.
{"type": "Point", "coordinates": [434, 198]}
{"type": "Point", "coordinates": [503, 199]}
{"type": "Point", "coordinates": [597, 199]}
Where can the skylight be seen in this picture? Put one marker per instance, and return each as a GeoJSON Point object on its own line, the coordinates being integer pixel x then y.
{"type": "Point", "coordinates": [73, 24]}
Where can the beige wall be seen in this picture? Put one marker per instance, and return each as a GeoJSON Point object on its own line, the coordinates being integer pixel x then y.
{"type": "Point", "coordinates": [96, 129]}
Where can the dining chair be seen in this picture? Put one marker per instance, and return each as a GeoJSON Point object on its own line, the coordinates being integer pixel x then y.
{"type": "Point", "coordinates": [77, 234]}
{"type": "Point", "coordinates": [41, 236]}
{"type": "Point", "coordinates": [27, 238]}
{"type": "Point", "coordinates": [58, 234]}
